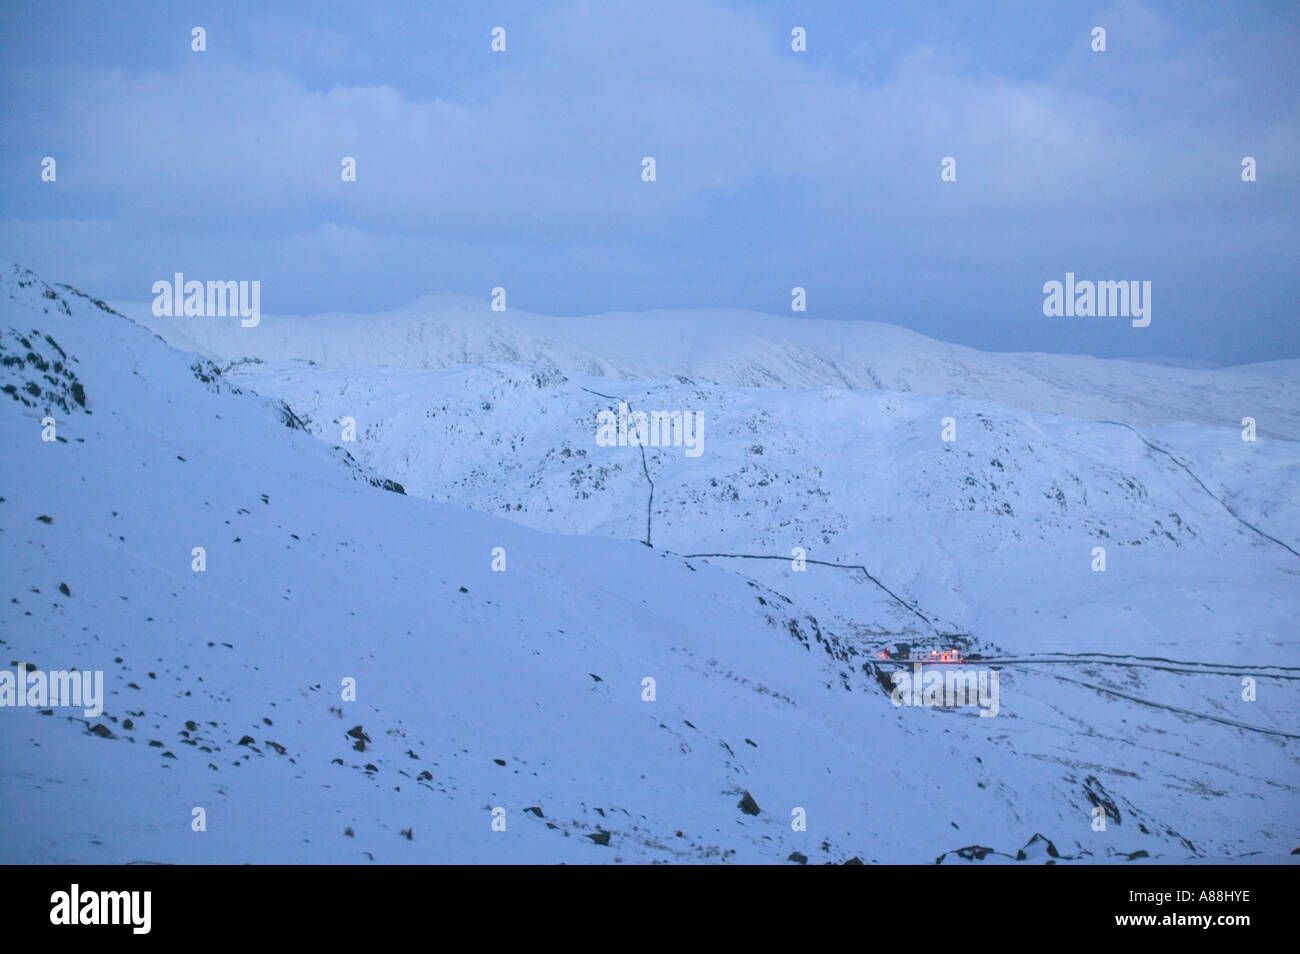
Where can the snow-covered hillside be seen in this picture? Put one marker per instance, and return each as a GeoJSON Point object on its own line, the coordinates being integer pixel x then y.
{"type": "Point", "coordinates": [748, 349]}
{"type": "Point", "coordinates": [524, 689]}
{"type": "Point", "coordinates": [1013, 506]}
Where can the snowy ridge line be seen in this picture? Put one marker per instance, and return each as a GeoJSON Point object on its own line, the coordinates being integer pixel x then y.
{"type": "Point", "coordinates": [1168, 708]}
{"type": "Point", "coordinates": [644, 469]}
{"type": "Point", "coordinates": [843, 566]}
{"type": "Point", "coordinates": [1247, 523]}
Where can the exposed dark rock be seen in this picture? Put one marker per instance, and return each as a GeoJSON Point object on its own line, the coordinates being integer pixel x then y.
{"type": "Point", "coordinates": [1035, 847]}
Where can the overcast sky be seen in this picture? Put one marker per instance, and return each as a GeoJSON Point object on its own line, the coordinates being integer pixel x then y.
{"type": "Point", "coordinates": [775, 168]}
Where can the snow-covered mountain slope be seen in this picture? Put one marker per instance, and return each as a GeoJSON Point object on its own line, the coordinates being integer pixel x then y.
{"type": "Point", "coordinates": [748, 349]}
{"type": "Point", "coordinates": [524, 690]}
{"type": "Point", "coordinates": [992, 533]}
